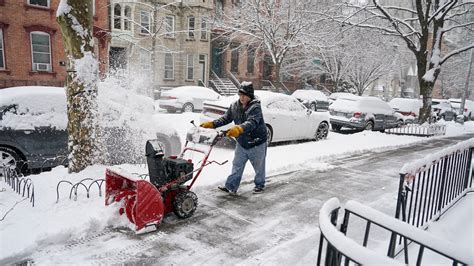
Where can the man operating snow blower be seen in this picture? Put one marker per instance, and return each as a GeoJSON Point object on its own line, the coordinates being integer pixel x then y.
{"type": "Point", "coordinates": [251, 134]}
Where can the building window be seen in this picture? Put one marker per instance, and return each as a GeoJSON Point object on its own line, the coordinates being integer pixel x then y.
{"type": "Point", "coordinates": [145, 22]}
{"type": "Point", "coordinates": [117, 16]}
{"type": "Point", "coordinates": [42, 3]}
{"type": "Point", "coordinates": [234, 60]}
{"type": "Point", "coordinates": [191, 27]}
{"type": "Point", "coordinates": [41, 51]}
{"type": "Point", "coordinates": [190, 67]}
{"type": "Point", "coordinates": [250, 60]}
{"type": "Point", "coordinates": [145, 61]}
{"type": "Point", "coordinates": [169, 66]}
{"type": "Point", "coordinates": [204, 29]}
{"type": "Point", "coordinates": [128, 18]}
{"type": "Point", "coordinates": [169, 26]}
{"type": "Point", "coordinates": [2, 54]}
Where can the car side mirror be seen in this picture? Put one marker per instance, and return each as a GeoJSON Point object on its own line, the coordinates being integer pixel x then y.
{"type": "Point", "coordinates": [309, 111]}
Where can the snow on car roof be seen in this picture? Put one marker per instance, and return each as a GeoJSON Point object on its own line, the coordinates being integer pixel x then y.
{"type": "Point", "coordinates": [367, 104]}
{"type": "Point", "coordinates": [406, 105]}
{"type": "Point", "coordinates": [337, 95]}
{"type": "Point", "coordinates": [310, 95]}
{"type": "Point", "coordinates": [264, 97]}
{"type": "Point", "coordinates": [36, 106]}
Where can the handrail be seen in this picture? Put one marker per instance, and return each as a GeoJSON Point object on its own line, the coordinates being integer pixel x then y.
{"type": "Point", "coordinates": [339, 245]}
{"type": "Point", "coordinates": [271, 84]}
{"type": "Point", "coordinates": [458, 254]}
{"type": "Point", "coordinates": [233, 79]}
{"type": "Point", "coordinates": [216, 76]}
{"type": "Point", "coordinates": [429, 187]}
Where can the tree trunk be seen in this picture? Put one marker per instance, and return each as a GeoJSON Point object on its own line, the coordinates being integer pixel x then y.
{"type": "Point", "coordinates": [75, 20]}
{"type": "Point", "coordinates": [425, 111]}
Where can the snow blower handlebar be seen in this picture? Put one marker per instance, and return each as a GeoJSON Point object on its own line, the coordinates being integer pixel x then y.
{"type": "Point", "coordinates": [218, 136]}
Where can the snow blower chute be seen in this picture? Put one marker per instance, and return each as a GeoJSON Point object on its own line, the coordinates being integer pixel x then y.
{"type": "Point", "coordinates": [146, 202]}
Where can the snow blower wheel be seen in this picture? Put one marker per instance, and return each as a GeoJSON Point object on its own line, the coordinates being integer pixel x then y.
{"type": "Point", "coordinates": [184, 204]}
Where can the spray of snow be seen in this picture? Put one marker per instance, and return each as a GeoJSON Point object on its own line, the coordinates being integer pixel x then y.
{"type": "Point", "coordinates": [87, 68]}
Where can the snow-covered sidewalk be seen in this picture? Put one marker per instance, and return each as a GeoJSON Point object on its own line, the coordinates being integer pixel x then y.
{"type": "Point", "coordinates": [25, 228]}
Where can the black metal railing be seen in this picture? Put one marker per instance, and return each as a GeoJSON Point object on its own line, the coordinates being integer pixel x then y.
{"type": "Point", "coordinates": [427, 191]}
{"type": "Point", "coordinates": [81, 184]}
{"type": "Point", "coordinates": [335, 248]}
{"type": "Point", "coordinates": [23, 186]}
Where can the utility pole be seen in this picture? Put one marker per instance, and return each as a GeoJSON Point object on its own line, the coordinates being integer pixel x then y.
{"type": "Point", "coordinates": [466, 84]}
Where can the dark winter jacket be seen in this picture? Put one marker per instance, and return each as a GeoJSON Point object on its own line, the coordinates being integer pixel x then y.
{"type": "Point", "coordinates": [250, 119]}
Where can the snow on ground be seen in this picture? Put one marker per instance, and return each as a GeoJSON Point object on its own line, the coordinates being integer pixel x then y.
{"type": "Point", "coordinates": [25, 228]}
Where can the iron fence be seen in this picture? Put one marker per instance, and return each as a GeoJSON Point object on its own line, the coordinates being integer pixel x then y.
{"type": "Point", "coordinates": [427, 191]}
{"type": "Point", "coordinates": [335, 248]}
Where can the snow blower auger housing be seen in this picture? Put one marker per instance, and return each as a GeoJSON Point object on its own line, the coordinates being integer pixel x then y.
{"type": "Point", "coordinates": [146, 202]}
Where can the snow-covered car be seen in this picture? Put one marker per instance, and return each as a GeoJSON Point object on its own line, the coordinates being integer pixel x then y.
{"type": "Point", "coordinates": [33, 127]}
{"type": "Point", "coordinates": [285, 117]}
{"type": "Point", "coordinates": [312, 99]}
{"type": "Point", "coordinates": [468, 108]}
{"type": "Point", "coordinates": [362, 113]}
{"type": "Point", "coordinates": [333, 97]}
{"type": "Point", "coordinates": [186, 98]}
{"type": "Point", "coordinates": [407, 110]}
{"type": "Point", "coordinates": [442, 109]}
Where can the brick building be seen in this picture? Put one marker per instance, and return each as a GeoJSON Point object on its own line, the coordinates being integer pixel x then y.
{"type": "Point", "coordinates": [31, 46]}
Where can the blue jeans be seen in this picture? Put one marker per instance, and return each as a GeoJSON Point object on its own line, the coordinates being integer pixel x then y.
{"type": "Point", "coordinates": [256, 156]}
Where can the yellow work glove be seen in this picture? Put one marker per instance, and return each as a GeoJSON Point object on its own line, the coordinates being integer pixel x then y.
{"type": "Point", "coordinates": [207, 124]}
{"type": "Point", "coordinates": [235, 131]}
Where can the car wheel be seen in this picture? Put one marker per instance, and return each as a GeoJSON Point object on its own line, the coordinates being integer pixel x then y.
{"type": "Point", "coordinates": [10, 158]}
{"type": "Point", "coordinates": [336, 127]}
{"type": "Point", "coordinates": [188, 108]}
{"type": "Point", "coordinates": [269, 135]}
{"type": "Point", "coordinates": [312, 107]}
{"type": "Point", "coordinates": [185, 204]}
{"type": "Point", "coordinates": [322, 131]}
{"type": "Point", "coordinates": [369, 126]}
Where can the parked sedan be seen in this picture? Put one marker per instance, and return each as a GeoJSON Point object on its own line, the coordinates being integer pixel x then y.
{"type": "Point", "coordinates": [312, 99]}
{"type": "Point", "coordinates": [468, 111]}
{"type": "Point", "coordinates": [362, 113]}
{"type": "Point", "coordinates": [443, 109]}
{"type": "Point", "coordinates": [33, 123]}
{"type": "Point", "coordinates": [408, 109]}
{"type": "Point", "coordinates": [286, 118]}
{"type": "Point", "coordinates": [186, 98]}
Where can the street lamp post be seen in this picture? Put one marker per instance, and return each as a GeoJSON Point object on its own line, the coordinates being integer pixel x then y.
{"type": "Point", "coordinates": [466, 85]}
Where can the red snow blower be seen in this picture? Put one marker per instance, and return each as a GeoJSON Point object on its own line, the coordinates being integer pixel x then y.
{"type": "Point", "coordinates": [146, 202]}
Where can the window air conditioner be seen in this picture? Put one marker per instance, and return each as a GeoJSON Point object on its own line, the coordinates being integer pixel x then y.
{"type": "Point", "coordinates": [42, 67]}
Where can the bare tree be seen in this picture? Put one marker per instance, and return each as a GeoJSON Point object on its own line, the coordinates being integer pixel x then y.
{"type": "Point", "coordinates": [75, 20]}
{"type": "Point", "coordinates": [271, 27]}
{"type": "Point", "coordinates": [372, 58]}
{"type": "Point", "coordinates": [422, 27]}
